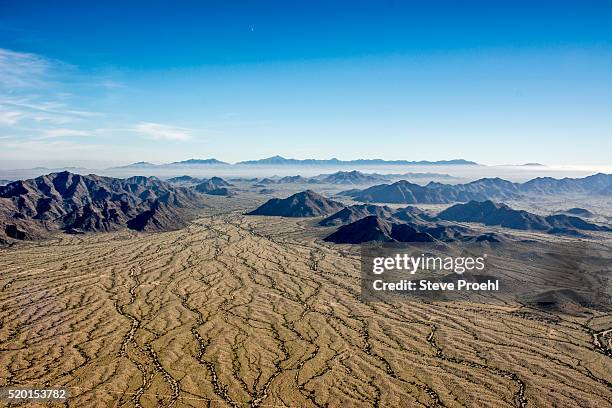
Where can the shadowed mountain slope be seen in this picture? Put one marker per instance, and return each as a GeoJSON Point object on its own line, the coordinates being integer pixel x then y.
{"type": "Point", "coordinates": [76, 203]}
{"type": "Point", "coordinates": [304, 204]}
{"type": "Point", "coordinates": [404, 192]}
{"type": "Point", "coordinates": [480, 190]}
{"type": "Point", "coordinates": [580, 212]}
{"type": "Point", "coordinates": [356, 212]}
{"type": "Point", "coordinates": [377, 229]}
{"type": "Point", "coordinates": [490, 213]}
{"type": "Point", "coordinates": [215, 186]}
{"type": "Point", "coordinates": [368, 229]}
{"type": "Point", "coordinates": [353, 213]}
{"type": "Point", "coordinates": [351, 177]}
{"type": "Point", "coordinates": [599, 184]}
{"type": "Point", "coordinates": [293, 179]}
{"type": "Point", "coordinates": [363, 223]}
{"type": "Point", "coordinates": [185, 180]}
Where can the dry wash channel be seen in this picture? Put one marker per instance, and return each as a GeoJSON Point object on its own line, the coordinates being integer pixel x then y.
{"type": "Point", "coordinates": [234, 311]}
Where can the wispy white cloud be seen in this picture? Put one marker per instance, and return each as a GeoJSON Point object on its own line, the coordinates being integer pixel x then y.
{"type": "Point", "coordinates": [9, 117]}
{"type": "Point", "coordinates": [44, 106]}
{"type": "Point", "coordinates": [33, 107]}
{"type": "Point", "coordinates": [38, 90]}
{"type": "Point", "coordinates": [25, 70]}
{"type": "Point", "coordinates": [160, 131]}
{"type": "Point", "coordinates": [63, 132]}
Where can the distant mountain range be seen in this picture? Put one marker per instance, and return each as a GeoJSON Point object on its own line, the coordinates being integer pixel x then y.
{"type": "Point", "coordinates": [498, 214]}
{"type": "Point", "coordinates": [294, 180]}
{"type": "Point", "coordinates": [74, 203]}
{"type": "Point", "coordinates": [137, 165]}
{"type": "Point", "coordinates": [383, 225]}
{"type": "Point", "coordinates": [367, 222]}
{"type": "Point", "coordinates": [185, 180]}
{"type": "Point", "coordinates": [190, 162]}
{"type": "Point", "coordinates": [354, 177]}
{"type": "Point", "coordinates": [212, 186]}
{"type": "Point", "coordinates": [281, 161]}
{"type": "Point", "coordinates": [599, 183]}
{"type": "Point", "coordinates": [404, 192]}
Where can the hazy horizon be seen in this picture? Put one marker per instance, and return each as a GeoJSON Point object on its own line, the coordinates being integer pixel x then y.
{"type": "Point", "coordinates": [15, 164]}
{"type": "Point", "coordinates": [460, 173]}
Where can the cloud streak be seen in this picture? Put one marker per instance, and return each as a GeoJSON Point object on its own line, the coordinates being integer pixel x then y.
{"type": "Point", "coordinates": [63, 132]}
{"type": "Point", "coordinates": [9, 117]}
{"type": "Point", "coordinates": [36, 93]}
{"type": "Point", "coordinates": [159, 131]}
{"type": "Point", "coordinates": [30, 107]}
{"type": "Point", "coordinates": [25, 70]}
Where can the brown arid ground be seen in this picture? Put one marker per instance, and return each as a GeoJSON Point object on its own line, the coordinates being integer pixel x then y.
{"type": "Point", "coordinates": [253, 311]}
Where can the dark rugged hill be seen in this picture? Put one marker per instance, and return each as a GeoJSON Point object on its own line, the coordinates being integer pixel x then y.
{"type": "Point", "coordinates": [185, 180]}
{"type": "Point", "coordinates": [215, 186]}
{"type": "Point", "coordinates": [599, 184]}
{"type": "Point", "coordinates": [244, 179]}
{"type": "Point", "coordinates": [436, 193]}
{"type": "Point", "coordinates": [399, 192]}
{"type": "Point", "coordinates": [580, 212]}
{"type": "Point", "coordinates": [351, 177]}
{"type": "Point", "coordinates": [363, 223]}
{"type": "Point", "coordinates": [373, 228]}
{"type": "Point", "coordinates": [368, 229]}
{"type": "Point", "coordinates": [75, 203]}
{"type": "Point", "coordinates": [218, 181]}
{"type": "Point", "coordinates": [304, 204]}
{"type": "Point", "coordinates": [293, 179]}
{"type": "Point", "coordinates": [413, 215]}
{"type": "Point", "coordinates": [490, 213]}
{"type": "Point", "coordinates": [356, 212]}
{"type": "Point", "coordinates": [480, 190]}
{"type": "Point", "coordinates": [353, 213]}
{"type": "Point", "coordinates": [264, 182]}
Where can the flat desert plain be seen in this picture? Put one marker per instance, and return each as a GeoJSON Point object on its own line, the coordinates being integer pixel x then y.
{"type": "Point", "coordinates": [241, 311]}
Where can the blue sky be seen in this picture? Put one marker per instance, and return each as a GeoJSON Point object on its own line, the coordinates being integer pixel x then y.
{"type": "Point", "coordinates": [495, 82]}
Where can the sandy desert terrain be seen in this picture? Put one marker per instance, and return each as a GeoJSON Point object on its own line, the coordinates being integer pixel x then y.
{"type": "Point", "coordinates": [239, 310]}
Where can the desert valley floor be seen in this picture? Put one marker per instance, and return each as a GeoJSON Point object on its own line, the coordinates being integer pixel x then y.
{"type": "Point", "coordinates": [239, 310]}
